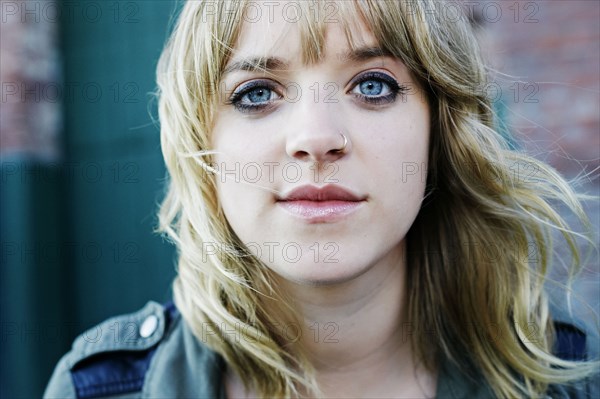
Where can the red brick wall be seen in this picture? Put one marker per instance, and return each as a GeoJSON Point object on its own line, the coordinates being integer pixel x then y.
{"type": "Point", "coordinates": [553, 49]}
{"type": "Point", "coordinates": [30, 115]}
{"type": "Point", "coordinates": [547, 61]}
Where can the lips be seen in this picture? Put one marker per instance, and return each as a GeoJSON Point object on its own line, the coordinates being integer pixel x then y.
{"type": "Point", "coordinates": [321, 205]}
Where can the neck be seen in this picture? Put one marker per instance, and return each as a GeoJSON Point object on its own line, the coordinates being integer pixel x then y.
{"type": "Point", "coordinates": [354, 336]}
{"type": "Point", "coordinates": [349, 322]}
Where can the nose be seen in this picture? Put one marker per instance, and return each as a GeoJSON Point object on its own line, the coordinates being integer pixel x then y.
{"type": "Point", "coordinates": [317, 138]}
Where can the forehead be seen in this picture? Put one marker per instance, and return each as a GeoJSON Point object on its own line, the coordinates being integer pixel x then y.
{"type": "Point", "coordinates": [299, 31]}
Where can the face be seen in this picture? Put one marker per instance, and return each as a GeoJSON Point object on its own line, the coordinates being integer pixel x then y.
{"type": "Point", "coordinates": [323, 166]}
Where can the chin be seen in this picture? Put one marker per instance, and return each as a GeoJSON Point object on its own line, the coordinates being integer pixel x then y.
{"type": "Point", "coordinates": [319, 274]}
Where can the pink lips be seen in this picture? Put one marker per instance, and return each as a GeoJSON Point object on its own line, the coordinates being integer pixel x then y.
{"type": "Point", "coordinates": [321, 205]}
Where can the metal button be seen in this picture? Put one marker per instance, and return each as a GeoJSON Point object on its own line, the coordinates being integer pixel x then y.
{"type": "Point", "coordinates": [148, 326]}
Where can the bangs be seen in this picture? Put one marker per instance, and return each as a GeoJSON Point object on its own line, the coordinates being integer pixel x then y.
{"type": "Point", "coordinates": [313, 17]}
{"type": "Point", "coordinates": [353, 17]}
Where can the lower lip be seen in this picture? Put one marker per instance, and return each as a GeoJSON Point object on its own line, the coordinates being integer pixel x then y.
{"type": "Point", "coordinates": [320, 211]}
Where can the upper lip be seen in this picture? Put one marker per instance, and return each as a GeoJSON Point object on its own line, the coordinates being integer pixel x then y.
{"type": "Point", "coordinates": [326, 193]}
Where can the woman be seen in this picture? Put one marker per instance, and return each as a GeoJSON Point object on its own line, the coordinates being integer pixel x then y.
{"type": "Point", "coordinates": [347, 218]}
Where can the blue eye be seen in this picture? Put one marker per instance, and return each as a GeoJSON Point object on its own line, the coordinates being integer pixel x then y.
{"type": "Point", "coordinates": [254, 96]}
{"type": "Point", "coordinates": [259, 95]}
{"type": "Point", "coordinates": [377, 88]}
{"type": "Point", "coordinates": [371, 87]}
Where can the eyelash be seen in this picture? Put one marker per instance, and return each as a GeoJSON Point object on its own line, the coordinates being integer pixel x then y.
{"type": "Point", "coordinates": [395, 89]}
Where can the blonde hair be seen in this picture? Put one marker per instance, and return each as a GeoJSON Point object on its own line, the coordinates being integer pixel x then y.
{"type": "Point", "coordinates": [480, 307]}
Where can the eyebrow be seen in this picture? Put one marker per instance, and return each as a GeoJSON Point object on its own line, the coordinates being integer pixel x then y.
{"type": "Point", "coordinates": [253, 64]}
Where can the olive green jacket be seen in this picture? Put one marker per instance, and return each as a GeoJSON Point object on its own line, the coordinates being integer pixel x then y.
{"type": "Point", "coordinates": [153, 354]}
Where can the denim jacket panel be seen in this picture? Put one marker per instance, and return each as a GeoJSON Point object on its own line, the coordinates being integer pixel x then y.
{"type": "Point", "coordinates": [150, 353]}
{"type": "Point", "coordinates": [159, 358]}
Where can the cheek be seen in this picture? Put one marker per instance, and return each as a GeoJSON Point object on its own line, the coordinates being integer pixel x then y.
{"type": "Point", "coordinates": [396, 151]}
{"type": "Point", "coordinates": [247, 152]}
{"type": "Point", "coordinates": [397, 147]}
{"type": "Point", "coordinates": [244, 177]}
{"type": "Point", "coordinates": [229, 160]}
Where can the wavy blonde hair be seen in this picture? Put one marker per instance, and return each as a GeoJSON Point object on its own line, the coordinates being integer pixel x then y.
{"type": "Point", "coordinates": [480, 306]}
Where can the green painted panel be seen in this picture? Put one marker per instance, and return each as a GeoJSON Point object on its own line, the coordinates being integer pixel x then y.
{"type": "Point", "coordinates": [110, 55]}
{"type": "Point", "coordinates": [35, 321]}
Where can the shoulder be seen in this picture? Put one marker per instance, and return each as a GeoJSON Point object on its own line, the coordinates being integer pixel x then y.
{"type": "Point", "coordinates": [126, 356]}
{"type": "Point", "coordinates": [112, 357]}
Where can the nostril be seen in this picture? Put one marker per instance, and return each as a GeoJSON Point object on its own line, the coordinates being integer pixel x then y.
{"type": "Point", "coordinates": [302, 155]}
